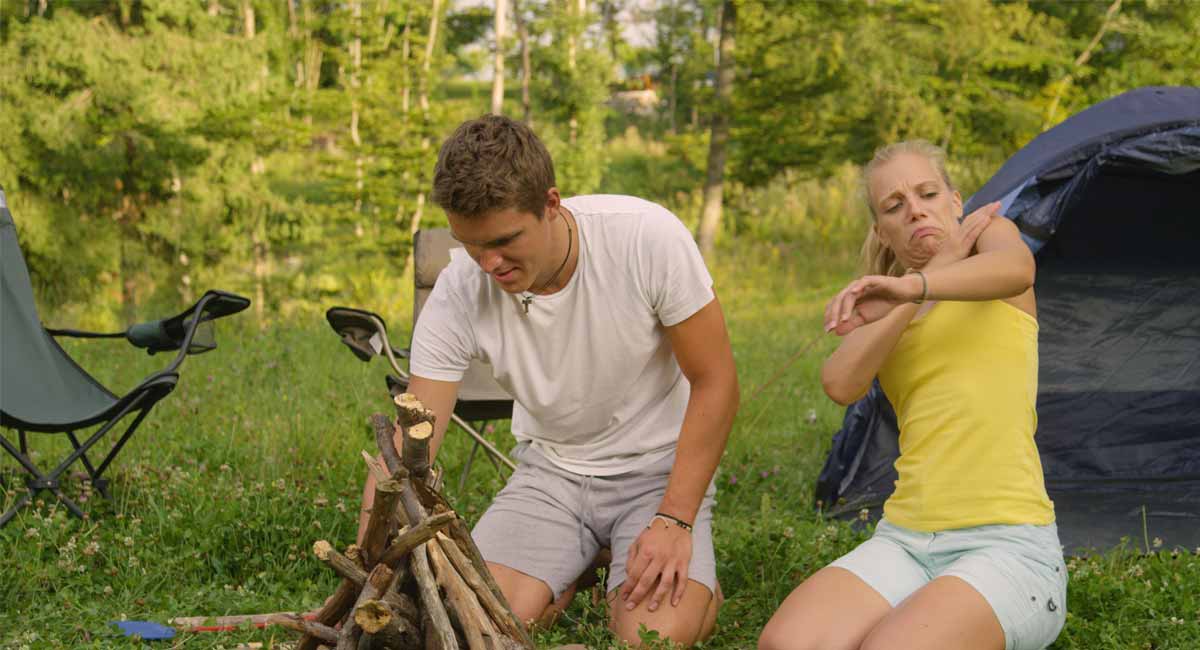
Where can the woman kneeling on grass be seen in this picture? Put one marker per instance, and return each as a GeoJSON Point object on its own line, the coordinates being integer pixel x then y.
{"type": "Point", "coordinates": [967, 554]}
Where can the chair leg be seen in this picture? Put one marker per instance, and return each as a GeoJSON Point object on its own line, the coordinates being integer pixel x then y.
{"type": "Point", "coordinates": [462, 478]}
{"type": "Point", "coordinates": [100, 484]}
{"type": "Point", "coordinates": [41, 481]}
{"type": "Point", "coordinates": [25, 500]}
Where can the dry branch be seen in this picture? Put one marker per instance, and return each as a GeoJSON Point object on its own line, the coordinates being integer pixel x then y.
{"type": "Point", "coordinates": [439, 634]}
{"type": "Point", "coordinates": [377, 584]}
{"type": "Point", "coordinates": [471, 618]}
{"type": "Point", "coordinates": [415, 536]}
{"type": "Point", "coordinates": [382, 520]}
{"type": "Point", "coordinates": [313, 629]}
{"type": "Point", "coordinates": [496, 609]}
{"type": "Point", "coordinates": [349, 570]}
{"type": "Point", "coordinates": [416, 448]}
{"type": "Point", "coordinates": [387, 629]}
{"type": "Point", "coordinates": [385, 439]}
{"type": "Point", "coordinates": [410, 410]}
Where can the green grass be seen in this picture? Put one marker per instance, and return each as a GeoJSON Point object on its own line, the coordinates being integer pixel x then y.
{"type": "Point", "coordinates": [219, 497]}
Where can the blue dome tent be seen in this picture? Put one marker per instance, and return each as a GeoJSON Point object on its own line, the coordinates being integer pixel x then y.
{"type": "Point", "coordinates": [1109, 202]}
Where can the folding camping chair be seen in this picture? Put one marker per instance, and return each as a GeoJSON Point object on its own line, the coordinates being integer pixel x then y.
{"type": "Point", "coordinates": [43, 390]}
{"type": "Point", "coordinates": [480, 399]}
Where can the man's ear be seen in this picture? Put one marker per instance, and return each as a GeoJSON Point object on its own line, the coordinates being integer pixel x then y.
{"type": "Point", "coordinates": [553, 201]}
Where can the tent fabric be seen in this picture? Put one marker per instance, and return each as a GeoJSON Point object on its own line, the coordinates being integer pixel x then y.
{"type": "Point", "coordinates": [1110, 202]}
{"type": "Point", "coordinates": [39, 382]}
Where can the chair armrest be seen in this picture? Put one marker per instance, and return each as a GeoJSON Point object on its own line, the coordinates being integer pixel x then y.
{"type": "Point", "coordinates": [190, 329]}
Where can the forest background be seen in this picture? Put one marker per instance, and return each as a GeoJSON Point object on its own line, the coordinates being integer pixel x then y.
{"type": "Point", "coordinates": [283, 150]}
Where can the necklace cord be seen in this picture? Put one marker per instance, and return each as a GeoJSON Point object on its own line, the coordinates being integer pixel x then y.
{"type": "Point", "coordinates": [570, 241]}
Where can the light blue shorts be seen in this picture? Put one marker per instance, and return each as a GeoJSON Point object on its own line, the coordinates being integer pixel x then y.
{"type": "Point", "coordinates": [1018, 569]}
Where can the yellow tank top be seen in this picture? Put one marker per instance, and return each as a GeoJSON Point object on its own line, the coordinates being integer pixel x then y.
{"type": "Point", "coordinates": [963, 380]}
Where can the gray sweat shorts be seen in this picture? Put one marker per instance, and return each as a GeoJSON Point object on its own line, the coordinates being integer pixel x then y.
{"type": "Point", "coordinates": [549, 523]}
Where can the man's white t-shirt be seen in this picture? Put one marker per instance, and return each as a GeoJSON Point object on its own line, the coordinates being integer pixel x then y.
{"type": "Point", "coordinates": [596, 386]}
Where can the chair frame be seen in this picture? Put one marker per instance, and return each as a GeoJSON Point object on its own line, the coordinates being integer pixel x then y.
{"type": "Point", "coordinates": [140, 399]}
{"type": "Point", "coordinates": [357, 329]}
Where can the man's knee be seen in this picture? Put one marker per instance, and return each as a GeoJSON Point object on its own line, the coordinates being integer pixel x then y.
{"type": "Point", "coordinates": [682, 624]}
{"type": "Point", "coordinates": [529, 597]}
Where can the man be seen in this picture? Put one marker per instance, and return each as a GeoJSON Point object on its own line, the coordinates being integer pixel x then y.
{"type": "Point", "coordinates": [598, 316]}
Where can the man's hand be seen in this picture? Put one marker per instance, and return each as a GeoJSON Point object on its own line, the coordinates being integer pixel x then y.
{"type": "Point", "coordinates": [661, 554]}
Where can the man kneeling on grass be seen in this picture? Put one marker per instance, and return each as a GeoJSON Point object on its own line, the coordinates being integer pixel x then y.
{"type": "Point", "coordinates": [598, 316]}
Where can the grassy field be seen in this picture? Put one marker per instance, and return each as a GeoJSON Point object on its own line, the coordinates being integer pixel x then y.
{"type": "Point", "coordinates": [220, 496]}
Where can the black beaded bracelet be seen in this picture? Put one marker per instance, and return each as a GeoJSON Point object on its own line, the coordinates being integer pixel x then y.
{"type": "Point", "coordinates": [671, 519]}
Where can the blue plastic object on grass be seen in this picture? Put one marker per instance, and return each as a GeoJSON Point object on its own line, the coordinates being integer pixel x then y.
{"type": "Point", "coordinates": [145, 629]}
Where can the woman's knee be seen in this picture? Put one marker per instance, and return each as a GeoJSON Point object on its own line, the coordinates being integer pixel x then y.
{"type": "Point", "coordinates": [777, 636]}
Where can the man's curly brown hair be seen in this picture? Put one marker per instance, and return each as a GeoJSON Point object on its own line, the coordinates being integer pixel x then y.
{"type": "Point", "coordinates": [492, 163]}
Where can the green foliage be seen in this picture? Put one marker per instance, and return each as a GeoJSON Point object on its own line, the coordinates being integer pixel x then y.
{"type": "Point", "coordinates": [570, 88]}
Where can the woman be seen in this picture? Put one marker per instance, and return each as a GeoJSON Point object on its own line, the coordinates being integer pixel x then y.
{"type": "Point", "coordinates": [967, 553]}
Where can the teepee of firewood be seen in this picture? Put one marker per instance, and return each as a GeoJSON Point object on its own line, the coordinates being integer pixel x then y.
{"type": "Point", "coordinates": [418, 580]}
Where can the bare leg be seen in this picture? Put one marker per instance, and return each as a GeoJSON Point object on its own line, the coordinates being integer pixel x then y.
{"type": "Point", "coordinates": [946, 613]}
{"type": "Point", "coordinates": [528, 596]}
{"type": "Point", "coordinates": [832, 610]}
{"type": "Point", "coordinates": [681, 624]}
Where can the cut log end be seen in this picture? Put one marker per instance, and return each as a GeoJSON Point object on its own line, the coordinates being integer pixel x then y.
{"type": "Point", "coordinates": [421, 431]}
{"type": "Point", "coordinates": [321, 549]}
{"type": "Point", "coordinates": [372, 616]}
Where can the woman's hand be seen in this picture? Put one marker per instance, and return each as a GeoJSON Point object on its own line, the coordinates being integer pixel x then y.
{"type": "Point", "coordinates": [869, 299]}
{"type": "Point", "coordinates": [958, 246]}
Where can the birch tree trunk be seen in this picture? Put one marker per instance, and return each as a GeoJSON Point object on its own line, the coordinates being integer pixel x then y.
{"type": "Point", "coordinates": [714, 182]}
{"type": "Point", "coordinates": [248, 18]}
{"type": "Point", "coordinates": [356, 70]}
{"type": "Point", "coordinates": [526, 63]}
{"type": "Point", "coordinates": [423, 104]}
{"type": "Point", "coordinates": [501, 30]}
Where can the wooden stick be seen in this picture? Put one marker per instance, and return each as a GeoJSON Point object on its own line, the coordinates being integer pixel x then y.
{"type": "Point", "coordinates": [385, 439]}
{"type": "Point", "coordinates": [462, 536]}
{"type": "Point", "coordinates": [438, 633]}
{"type": "Point", "coordinates": [379, 581]}
{"type": "Point", "coordinates": [387, 629]}
{"type": "Point", "coordinates": [331, 612]}
{"type": "Point", "coordinates": [496, 608]}
{"type": "Point", "coordinates": [413, 537]}
{"type": "Point", "coordinates": [471, 618]}
{"type": "Point", "coordinates": [322, 633]}
{"type": "Point", "coordinates": [349, 570]}
{"type": "Point", "coordinates": [382, 520]}
{"type": "Point", "coordinates": [190, 623]}
{"type": "Point", "coordinates": [410, 410]}
{"type": "Point", "coordinates": [375, 467]}
{"type": "Point", "coordinates": [416, 448]}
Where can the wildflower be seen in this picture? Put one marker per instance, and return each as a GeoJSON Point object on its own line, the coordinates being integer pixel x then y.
{"type": "Point", "coordinates": [1158, 542]}
{"type": "Point", "coordinates": [733, 481]}
{"type": "Point", "coordinates": [224, 467]}
{"type": "Point", "coordinates": [320, 501]}
{"type": "Point", "coordinates": [128, 541]}
{"type": "Point", "coordinates": [108, 590]}
{"type": "Point", "coordinates": [92, 548]}
{"type": "Point", "coordinates": [864, 514]}
{"type": "Point", "coordinates": [32, 532]}
{"type": "Point", "coordinates": [812, 416]}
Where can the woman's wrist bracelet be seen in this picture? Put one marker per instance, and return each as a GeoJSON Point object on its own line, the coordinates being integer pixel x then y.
{"type": "Point", "coordinates": [670, 520]}
{"type": "Point", "coordinates": [924, 286]}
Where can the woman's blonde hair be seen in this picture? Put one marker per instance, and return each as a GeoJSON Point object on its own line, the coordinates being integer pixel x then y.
{"type": "Point", "coordinates": [878, 259]}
